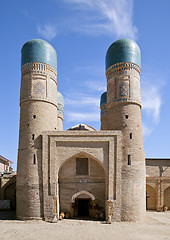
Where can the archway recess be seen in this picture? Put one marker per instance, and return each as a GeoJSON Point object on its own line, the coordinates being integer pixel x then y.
{"type": "Point", "coordinates": [150, 198]}
{"type": "Point", "coordinates": [82, 181]}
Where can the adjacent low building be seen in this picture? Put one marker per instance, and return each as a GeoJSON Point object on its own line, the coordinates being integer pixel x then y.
{"type": "Point", "coordinates": [157, 184]}
{"type": "Point", "coordinates": [7, 185]}
{"type": "Point", "coordinates": [5, 165]}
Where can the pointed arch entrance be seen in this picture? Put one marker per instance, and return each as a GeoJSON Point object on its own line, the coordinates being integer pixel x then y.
{"type": "Point", "coordinates": [82, 187]}
{"type": "Point", "coordinates": [83, 203]}
{"type": "Point", "coordinates": [150, 198]}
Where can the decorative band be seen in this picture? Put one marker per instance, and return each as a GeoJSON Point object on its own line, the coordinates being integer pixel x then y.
{"type": "Point", "coordinates": [60, 116]}
{"type": "Point", "coordinates": [128, 100]}
{"type": "Point", "coordinates": [36, 67]}
{"type": "Point", "coordinates": [38, 99]}
{"type": "Point", "coordinates": [119, 67]}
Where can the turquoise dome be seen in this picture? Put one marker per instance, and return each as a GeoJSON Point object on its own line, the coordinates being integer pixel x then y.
{"type": "Point", "coordinates": [38, 50]}
{"type": "Point", "coordinates": [60, 99]}
{"type": "Point", "coordinates": [103, 99]}
{"type": "Point", "coordinates": [123, 50]}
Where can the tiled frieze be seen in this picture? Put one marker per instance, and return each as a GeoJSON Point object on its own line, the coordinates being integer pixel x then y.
{"type": "Point", "coordinates": [121, 68]}
{"type": "Point", "coordinates": [39, 68]}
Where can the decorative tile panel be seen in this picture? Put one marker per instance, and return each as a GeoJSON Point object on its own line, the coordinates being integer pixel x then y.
{"type": "Point", "coordinates": [124, 90]}
{"type": "Point", "coordinates": [39, 89]}
{"type": "Point", "coordinates": [122, 87]}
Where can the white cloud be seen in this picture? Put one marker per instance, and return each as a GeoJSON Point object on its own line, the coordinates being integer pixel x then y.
{"type": "Point", "coordinates": [80, 107]}
{"type": "Point", "coordinates": [146, 130]}
{"type": "Point", "coordinates": [151, 94]}
{"type": "Point", "coordinates": [96, 86]}
{"type": "Point", "coordinates": [82, 101]}
{"type": "Point", "coordinates": [48, 31]}
{"type": "Point", "coordinates": [151, 102]}
{"type": "Point", "coordinates": [94, 75]}
{"type": "Point", "coordinates": [82, 117]}
{"type": "Point", "coordinates": [109, 17]}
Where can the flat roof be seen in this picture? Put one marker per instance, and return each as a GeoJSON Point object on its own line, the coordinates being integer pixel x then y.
{"type": "Point", "coordinates": [5, 159]}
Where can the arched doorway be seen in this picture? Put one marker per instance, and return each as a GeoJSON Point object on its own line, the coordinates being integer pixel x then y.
{"type": "Point", "coordinates": [167, 198]}
{"type": "Point", "coordinates": [150, 198]}
{"type": "Point", "coordinates": [82, 187]}
{"type": "Point", "coordinates": [83, 204]}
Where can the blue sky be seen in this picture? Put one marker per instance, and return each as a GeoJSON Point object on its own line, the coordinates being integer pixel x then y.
{"type": "Point", "coordinates": [81, 32]}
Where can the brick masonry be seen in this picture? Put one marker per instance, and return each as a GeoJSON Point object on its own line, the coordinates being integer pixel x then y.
{"type": "Point", "coordinates": [115, 185]}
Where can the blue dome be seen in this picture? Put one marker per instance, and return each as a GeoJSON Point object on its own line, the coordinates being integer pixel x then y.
{"type": "Point", "coordinates": [38, 50]}
{"type": "Point", "coordinates": [123, 50]}
{"type": "Point", "coordinates": [60, 99]}
{"type": "Point", "coordinates": [103, 99]}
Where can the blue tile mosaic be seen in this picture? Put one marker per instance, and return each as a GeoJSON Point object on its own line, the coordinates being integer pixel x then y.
{"type": "Point", "coordinates": [123, 50]}
{"type": "Point", "coordinates": [38, 50]}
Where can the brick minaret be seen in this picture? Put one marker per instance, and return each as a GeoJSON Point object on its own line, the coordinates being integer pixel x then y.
{"type": "Point", "coordinates": [123, 61]}
{"type": "Point", "coordinates": [38, 112]}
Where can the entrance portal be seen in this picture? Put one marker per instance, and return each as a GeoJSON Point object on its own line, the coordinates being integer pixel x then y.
{"type": "Point", "coordinates": [83, 207]}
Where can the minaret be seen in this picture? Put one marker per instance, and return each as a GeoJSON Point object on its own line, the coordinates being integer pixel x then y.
{"type": "Point", "coordinates": [103, 111]}
{"type": "Point", "coordinates": [60, 111]}
{"type": "Point", "coordinates": [38, 112]}
{"type": "Point", "coordinates": [123, 62]}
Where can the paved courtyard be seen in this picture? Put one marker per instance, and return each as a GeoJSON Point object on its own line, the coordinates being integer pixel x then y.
{"type": "Point", "coordinates": [156, 227]}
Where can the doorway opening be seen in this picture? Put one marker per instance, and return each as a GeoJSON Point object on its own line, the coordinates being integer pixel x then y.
{"type": "Point", "coordinates": [83, 207]}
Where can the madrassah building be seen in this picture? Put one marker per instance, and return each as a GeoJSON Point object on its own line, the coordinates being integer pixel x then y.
{"type": "Point", "coordinates": [83, 172]}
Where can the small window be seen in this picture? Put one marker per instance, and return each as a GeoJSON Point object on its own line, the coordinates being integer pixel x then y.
{"type": "Point", "coordinates": [34, 116]}
{"type": "Point", "coordinates": [129, 159]}
{"type": "Point", "coordinates": [81, 166]}
{"type": "Point", "coordinates": [34, 159]}
{"type": "Point", "coordinates": [130, 135]}
{"type": "Point", "coordinates": [126, 116]}
{"type": "Point", "coordinates": [33, 136]}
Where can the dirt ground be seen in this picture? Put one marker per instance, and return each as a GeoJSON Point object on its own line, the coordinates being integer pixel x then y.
{"type": "Point", "coordinates": [156, 227]}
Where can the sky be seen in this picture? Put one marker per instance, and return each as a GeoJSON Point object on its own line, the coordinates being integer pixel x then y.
{"type": "Point", "coordinates": [81, 31]}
